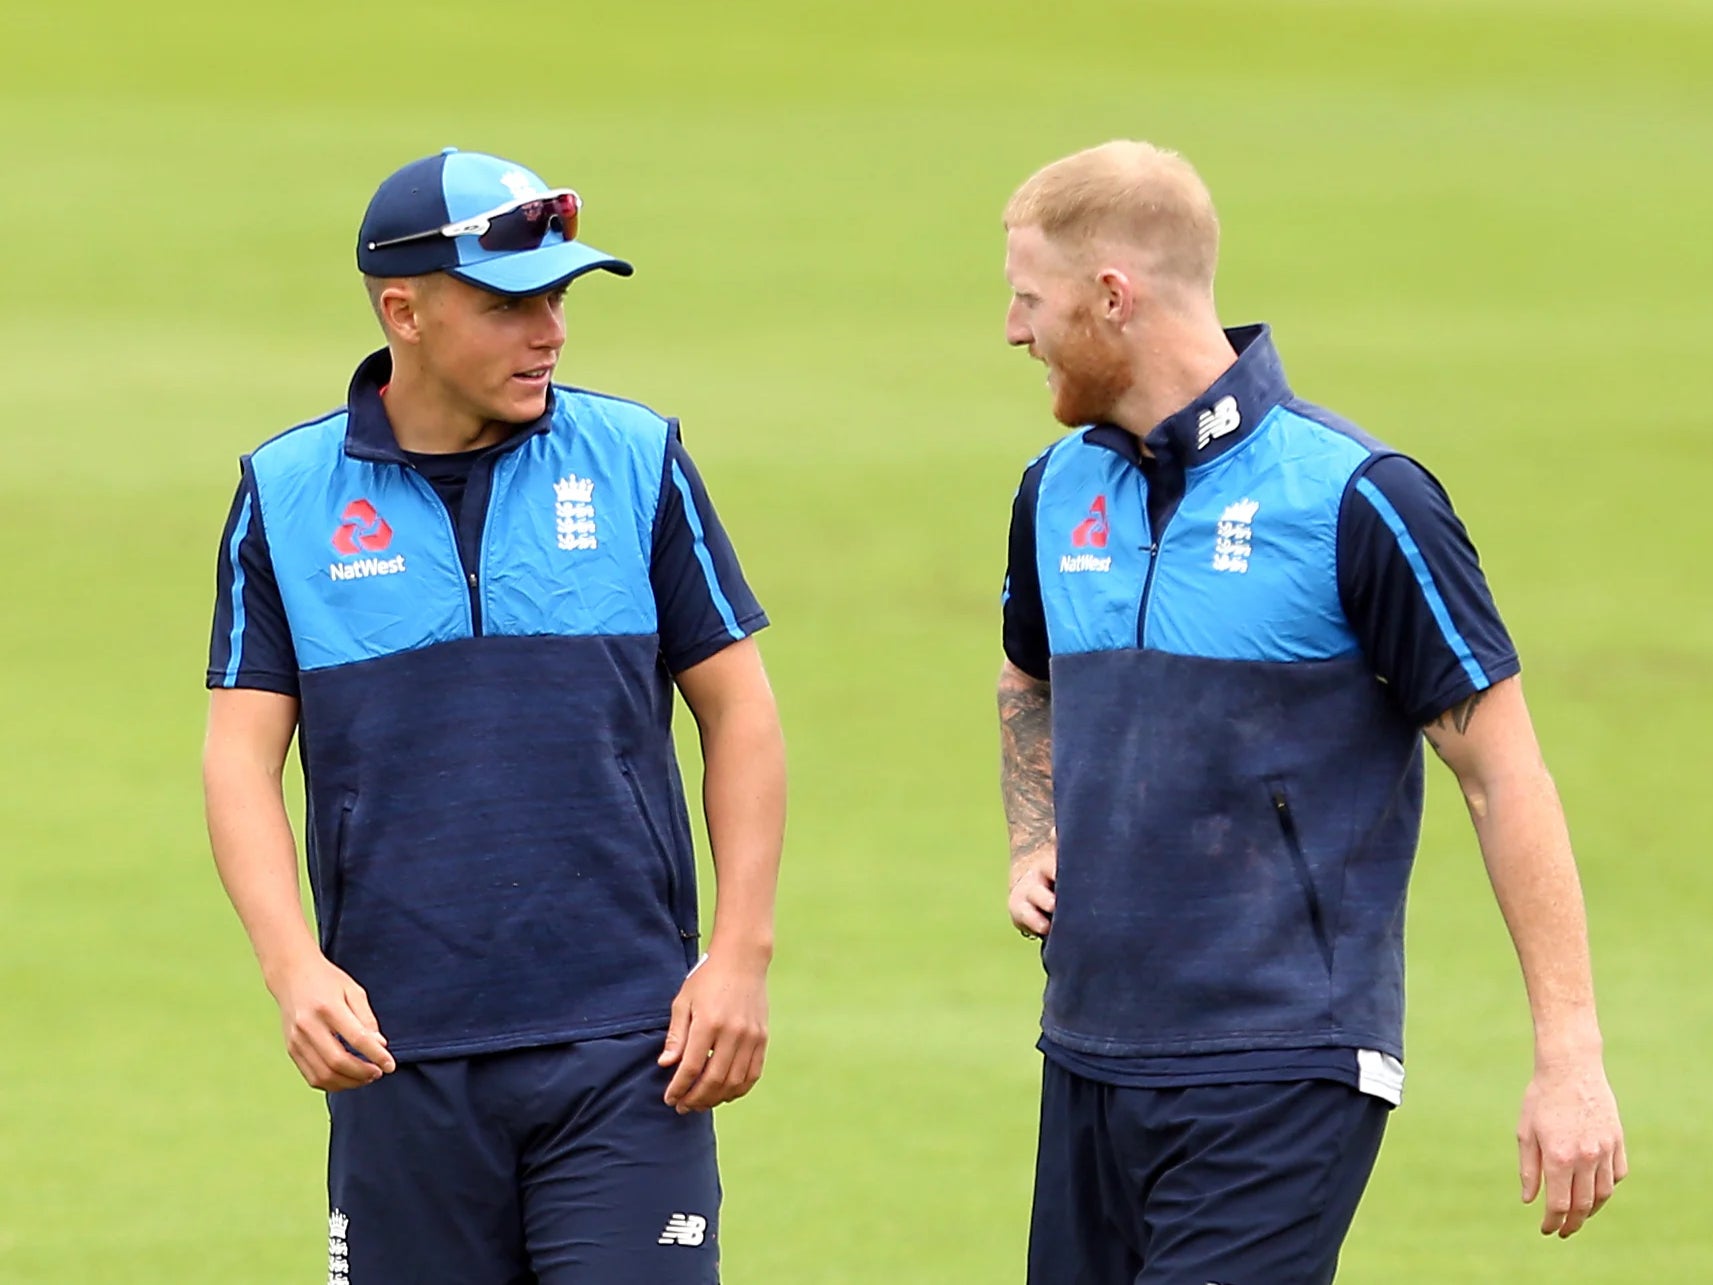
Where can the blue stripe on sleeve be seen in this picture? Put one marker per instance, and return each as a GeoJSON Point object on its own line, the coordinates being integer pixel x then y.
{"type": "Point", "coordinates": [239, 531]}
{"type": "Point", "coordinates": [703, 556]}
{"type": "Point", "coordinates": [1436, 603]}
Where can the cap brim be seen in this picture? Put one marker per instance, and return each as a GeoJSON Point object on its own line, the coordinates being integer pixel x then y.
{"type": "Point", "coordinates": [535, 271]}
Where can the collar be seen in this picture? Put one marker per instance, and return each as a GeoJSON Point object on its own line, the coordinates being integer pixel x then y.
{"type": "Point", "coordinates": [1221, 418]}
{"type": "Point", "coordinates": [369, 433]}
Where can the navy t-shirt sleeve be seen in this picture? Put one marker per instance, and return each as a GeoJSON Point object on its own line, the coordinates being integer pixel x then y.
{"type": "Point", "coordinates": [251, 642]}
{"type": "Point", "coordinates": [703, 602]}
{"type": "Point", "coordinates": [1025, 619]}
{"type": "Point", "coordinates": [1412, 590]}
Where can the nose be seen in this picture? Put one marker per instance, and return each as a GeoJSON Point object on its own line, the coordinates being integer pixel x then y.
{"type": "Point", "coordinates": [548, 316]}
{"type": "Point", "coordinates": [1016, 329]}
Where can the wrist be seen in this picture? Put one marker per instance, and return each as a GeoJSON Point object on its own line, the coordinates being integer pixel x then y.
{"type": "Point", "coordinates": [279, 960]}
{"type": "Point", "coordinates": [1026, 859]}
{"type": "Point", "coordinates": [751, 948]}
{"type": "Point", "coordinates": [1567, 1043]}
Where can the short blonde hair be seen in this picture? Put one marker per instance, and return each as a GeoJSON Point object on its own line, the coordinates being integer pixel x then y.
{"type": "Point", "coordinates": [376, 285]}
{"type": "Point", "coordinates": [1126, 191]}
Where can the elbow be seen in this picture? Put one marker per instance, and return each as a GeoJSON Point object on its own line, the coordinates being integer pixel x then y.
{"type": "Point", "coordinates": [1475, 798]}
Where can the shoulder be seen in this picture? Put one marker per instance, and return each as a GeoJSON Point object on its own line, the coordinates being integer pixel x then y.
{"type": "Point", "coordinates": [1314, 440]}
{"type": "Point", "coordinates": [300, 446]}
{"type": "Point", "coordinates": [1056, 456]}
{"type": "Point", "coordinates": [1337, 457]}
{"type": "Point", "coordinates": [586, 410]}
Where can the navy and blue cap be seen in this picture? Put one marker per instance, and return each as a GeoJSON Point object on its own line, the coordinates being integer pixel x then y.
{"type": "Point", "coordinates": [452, 186]}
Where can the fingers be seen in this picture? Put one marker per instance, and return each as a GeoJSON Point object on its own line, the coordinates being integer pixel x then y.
{"type": "Point", "coordinates": [691, 1055]}
{"type": "Point", "coordinates": [752, 1073]}
{"type": "Point", "coordinates": [1591, 1177]}
{"type": "Point", "coordinates": [1579, 1199]}
{"type": "Point", "coordinates": [367, 1039]}
{"type": "Point", "coordinates": [720, 1064]}
{"type": "Point", "coordinates": [325, 1040]}
{"type": "Point", "coordinates": [709, 1090]}
{"type": "Point", "coordinates": [325, 1062]}
{"type": "Point", "coordinates": [1605, 1179]}
{"type": "Point", "coordinates": [1573, 1184]}
{"type": "Point", "coordinates": [1032, 902]}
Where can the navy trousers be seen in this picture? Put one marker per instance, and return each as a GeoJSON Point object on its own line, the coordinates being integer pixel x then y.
{"type": "Point", "coordinates": [1227, 1184]}
{"type": "Point", "coordinates": [545, 1166]}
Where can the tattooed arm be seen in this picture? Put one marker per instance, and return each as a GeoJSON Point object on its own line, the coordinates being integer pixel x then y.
{"type": "Point", "coordinates": [1569, 1132]}
{"type": "Point", "coordinates": [1026, 780]}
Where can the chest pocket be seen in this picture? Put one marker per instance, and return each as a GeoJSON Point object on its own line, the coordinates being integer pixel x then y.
{"type": "Point", "coordinates": [1091, 537]}
{"type": "Point", "coordinates": [1248, 570]}
{"type": "Point", "coordinates": [567, 544]}
{"type": "Point", "coordinates": [365, 561]}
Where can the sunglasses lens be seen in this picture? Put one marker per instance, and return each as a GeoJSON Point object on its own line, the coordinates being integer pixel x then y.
{"type": "Point", "coordinates": [525, 227]}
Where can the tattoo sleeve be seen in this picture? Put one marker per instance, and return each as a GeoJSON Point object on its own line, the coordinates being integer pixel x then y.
{"type": "Point", "coordinates": [1026, 761]}
{"type": "Point", "coordinates": [1456, 719]}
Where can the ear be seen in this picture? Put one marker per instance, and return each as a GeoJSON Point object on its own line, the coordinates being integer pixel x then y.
{"type": "Point", "coordinates": [1117, 296]}
{"type": "Point", "coordinates": [400, 306]}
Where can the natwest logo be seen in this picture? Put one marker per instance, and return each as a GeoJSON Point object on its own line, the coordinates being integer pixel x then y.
{"type": "Point", "coordinates": [361, 530]}
{"type": "Point", "coordinates": [1090, 533]}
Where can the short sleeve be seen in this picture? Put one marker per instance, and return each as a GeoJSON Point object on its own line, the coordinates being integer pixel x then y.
{"type": "Point", "coordinates": [1025, 619]}
{"type": "Point", "coordinates": [251, 642]}
{"type": "Point", "coordinates": [1413, 590]}
{"type": "Point", "coordinates": [702, 600]}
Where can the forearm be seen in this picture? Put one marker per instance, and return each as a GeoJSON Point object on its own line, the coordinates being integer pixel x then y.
{"type": "Point", "coordinates": [1026, 763]}
{"type": "Point", "coordinates": [743, 798]}
{"type": "Point", "coordinates": [256, 857]}
{"type": "Point", "coordinates": [1526, 846]}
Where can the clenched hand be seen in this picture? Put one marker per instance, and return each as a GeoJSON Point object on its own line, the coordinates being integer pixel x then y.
{"type": "Point", "coordinates": [718, 1035]}
{"type": "Point", "coordinates": [328, 1023]}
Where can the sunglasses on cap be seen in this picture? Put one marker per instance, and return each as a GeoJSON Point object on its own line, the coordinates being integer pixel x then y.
{"type": "Point", "coordinates": [517, 225]}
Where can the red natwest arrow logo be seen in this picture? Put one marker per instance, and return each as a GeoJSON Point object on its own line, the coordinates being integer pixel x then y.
{"type": "Point", "coordinates": [1091, 531]}
{"type": "Point", "coordinates": [361, 530]}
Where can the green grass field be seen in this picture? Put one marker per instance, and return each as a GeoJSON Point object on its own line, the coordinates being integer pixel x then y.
{"type": "Point", "coordinates": [1479, 228]}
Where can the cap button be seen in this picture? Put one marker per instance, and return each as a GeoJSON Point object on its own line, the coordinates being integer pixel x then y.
{"type": "Point", "coordinates": [447, 151]}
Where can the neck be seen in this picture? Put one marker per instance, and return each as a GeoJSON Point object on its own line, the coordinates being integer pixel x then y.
{"type": "Point", "coordinates": [429, 419]}
{"type": "Point", "coordinates": [1176, 360]}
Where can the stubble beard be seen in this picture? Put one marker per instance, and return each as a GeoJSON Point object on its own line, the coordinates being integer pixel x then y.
{"type": "Point", "coordinates": [1092, 372]}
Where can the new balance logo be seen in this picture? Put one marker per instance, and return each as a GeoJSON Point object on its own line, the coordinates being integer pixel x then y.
{"type": "Point", "coordinates": [1216, 421]}
{"type": "Point", "coordinates": [685, 1229]}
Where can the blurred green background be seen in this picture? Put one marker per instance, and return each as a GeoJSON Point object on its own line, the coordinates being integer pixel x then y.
{"type": "Point", "coordinates": [1480, 228]}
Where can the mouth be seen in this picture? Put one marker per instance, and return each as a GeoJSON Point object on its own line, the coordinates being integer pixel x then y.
{"type": "Point", "coordinates": [534, 377]}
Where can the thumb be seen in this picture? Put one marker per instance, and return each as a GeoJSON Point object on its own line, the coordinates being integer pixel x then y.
{"type": "Point", "coordinates": [1529, 1165]}
{"type": "Point", "coordinates": [357, 999]}
{"type": "Point", "coordinates": [676, 1032]}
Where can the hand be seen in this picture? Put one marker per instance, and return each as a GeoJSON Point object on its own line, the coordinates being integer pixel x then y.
{"type": "Point", "coordinates": [1570, 1135]}
{"type": "Point", "coordinates": [718, 1035]}
{"type": "Point", "coordinates": [1033, 880]}
{"type": "Point", "coordinates": [328, 1022]}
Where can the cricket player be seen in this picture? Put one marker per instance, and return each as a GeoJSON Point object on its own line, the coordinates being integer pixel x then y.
{"type": "Point", "coordinates": [1230, 619]}
{"type": "Point", "coordinates": [470, 593]}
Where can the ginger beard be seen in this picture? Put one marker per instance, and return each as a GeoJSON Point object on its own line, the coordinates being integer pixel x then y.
{"type": "Point", "coordinates": [1088, 371]}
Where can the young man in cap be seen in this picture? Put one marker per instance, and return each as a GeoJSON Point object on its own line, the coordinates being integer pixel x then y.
{"type": "Point", "coordinates": [1230, 617]}
{"type": "Point", "coordinates": [470, 593]}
